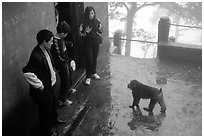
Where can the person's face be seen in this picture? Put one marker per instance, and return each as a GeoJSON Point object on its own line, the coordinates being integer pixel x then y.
{"type": "Point", "coordinates": [91, 15]}
{"type": "Point", "coordinates": [49, 43]}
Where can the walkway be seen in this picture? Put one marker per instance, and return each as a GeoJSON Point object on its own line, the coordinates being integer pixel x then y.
{"type": "Point", "coordinates": [109, 114]}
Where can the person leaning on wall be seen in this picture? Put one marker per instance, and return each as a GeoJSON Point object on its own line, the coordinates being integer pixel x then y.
{"type": "Point", "coordinates": [41, 74]}
{"type": "Point", "coordinates": [64, 65]}
{"type": "Point", "coordinates": [90, 30]}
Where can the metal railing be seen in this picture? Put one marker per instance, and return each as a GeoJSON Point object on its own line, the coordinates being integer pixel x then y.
{"type": "Point", "coordinates": [186, 26]}
{"type": "Point", "coordinates": [183, 39]}
{"type": "Point", "coordinates": [163, 36]}
{"type": "Point", "coordinates": [141, 44]}
{"type": "Point", "coordinates": [142, 41]}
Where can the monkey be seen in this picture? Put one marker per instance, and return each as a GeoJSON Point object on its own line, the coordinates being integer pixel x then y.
{"type": "Point", "coordinates": [143, 91]}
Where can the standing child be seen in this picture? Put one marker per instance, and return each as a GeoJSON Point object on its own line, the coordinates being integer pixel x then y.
{"type": "Point", "coordinates": [64, 64]}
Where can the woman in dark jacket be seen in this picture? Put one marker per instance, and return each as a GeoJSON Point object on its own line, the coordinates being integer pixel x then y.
{"type": "Point", "coordinates": [90, 30]}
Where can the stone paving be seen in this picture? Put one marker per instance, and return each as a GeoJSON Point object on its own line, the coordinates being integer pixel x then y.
{"type": "Point", "coordinates": [182, 87]}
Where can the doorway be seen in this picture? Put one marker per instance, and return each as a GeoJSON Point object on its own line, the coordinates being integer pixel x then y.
{"type": "Point", "coordinates": [72, 13]}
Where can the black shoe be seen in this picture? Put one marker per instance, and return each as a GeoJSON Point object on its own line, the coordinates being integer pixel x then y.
{"type": "Point", "coordinates": [71, 91]}
{"type": "Point", "coordinates": [65, 103]}
{"type": "Point", "coordinates": [53, 134]}
{"type": "Point", "coordinates": [58, 122]}
{"type": "Point", "coordinates": [49, 133]}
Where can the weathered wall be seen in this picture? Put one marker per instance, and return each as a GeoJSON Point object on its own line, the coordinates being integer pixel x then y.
{"type": "Point", "coordinates": [20, 23]}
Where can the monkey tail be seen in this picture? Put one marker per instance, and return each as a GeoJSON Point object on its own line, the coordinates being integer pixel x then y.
{"type": "Point", "coordinates": [160, 92]}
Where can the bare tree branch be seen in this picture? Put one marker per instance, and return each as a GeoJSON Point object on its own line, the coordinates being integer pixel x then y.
{"type": "Point", "coordinates": [146, 4]}
{"type": "Point", "coordinates": [126, 6]}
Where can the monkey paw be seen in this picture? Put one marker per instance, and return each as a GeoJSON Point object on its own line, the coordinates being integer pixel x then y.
{"type": "Point", "coordinates": [131, 106]}
{"type": "Point", "coordinates": [147, 109]}
{"type": "Point", "coordinates": [163, 111]}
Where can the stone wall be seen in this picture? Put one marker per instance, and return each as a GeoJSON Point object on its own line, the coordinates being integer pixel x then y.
{"type": "Point", "coordinates": [20, 24]}
{"type": "Point", "coordinates": [180, 52]}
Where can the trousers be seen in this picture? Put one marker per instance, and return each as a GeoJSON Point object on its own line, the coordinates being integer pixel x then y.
{"type": "Point", "coordinates": [47, 112]}
{"type": "Point", "coordinates": [66, 81]}
{"type": "Point", "coordinates": [91, 54]}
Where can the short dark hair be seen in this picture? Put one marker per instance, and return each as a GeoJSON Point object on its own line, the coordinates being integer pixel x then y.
{"type": "Point", "coordinates": [44, 35]}
{"type": "Point", "coordinates": [63, 27]}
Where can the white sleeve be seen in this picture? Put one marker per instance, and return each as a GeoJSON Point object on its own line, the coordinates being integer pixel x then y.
{"type": "Point", "coordinates": [80, 30]}
{"type": "Point", "coordinates": [73, 65]}
{"type": "Point", "coordinates": [33, 80]}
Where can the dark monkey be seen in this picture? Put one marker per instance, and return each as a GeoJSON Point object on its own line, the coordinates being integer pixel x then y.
{"type": "Point", "coordinates": [143, 91]}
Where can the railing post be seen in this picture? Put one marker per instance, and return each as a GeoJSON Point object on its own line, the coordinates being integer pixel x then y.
{"type": "Point", "coordinates": [163, 29]}
{"type": "Point", "coordinates": [117, 41]}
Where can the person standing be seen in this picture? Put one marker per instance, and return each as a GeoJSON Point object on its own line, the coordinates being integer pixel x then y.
{"type": "Point", "coordinates": [41, 75]}
{"type": "Point", "coordinates": [64, 65]}
{"type": "Point", "coordinates": [90, 30]}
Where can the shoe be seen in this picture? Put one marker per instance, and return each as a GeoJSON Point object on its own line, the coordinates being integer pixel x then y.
{"type": "Point", "coordinates": [54, 134]}
{"type": "Point", "coordinates": [163, 111]}
{"type": "Point", "coordinates": [72, 91]}
{"type": "Point", "coordinates": [65, 103]}
{"type": "Point", "coordinates": [88, 81]}
{"type": "Point", "coordinates": [95, 76]}
{"type": "Point", "coordinates": [58, 122]}
{"type": "Point", "coordinates": [49, 133]}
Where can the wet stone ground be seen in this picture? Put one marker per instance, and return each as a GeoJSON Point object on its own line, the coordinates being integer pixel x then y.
{"type": "Point", "coordinates": [109, 97]}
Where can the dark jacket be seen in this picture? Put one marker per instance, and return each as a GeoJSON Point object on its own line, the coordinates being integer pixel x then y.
{"type": "Point", "coordinates": [94, 34]}
{"type": "Point", "coordinates": [60, 53]}
{"type": "Point", "coordinates": [38, 65]}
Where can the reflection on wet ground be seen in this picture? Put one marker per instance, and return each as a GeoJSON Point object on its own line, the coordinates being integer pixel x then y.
{"type": "Point", "coordinates": [110, 115]}
{"type": "Point", "coordinates": [146, 123]}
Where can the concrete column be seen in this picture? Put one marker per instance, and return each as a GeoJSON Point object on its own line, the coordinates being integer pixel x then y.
{"type": "Point", "coordinates": [163, 29]}
{"type": "Point", "coordinates": [117, 41]}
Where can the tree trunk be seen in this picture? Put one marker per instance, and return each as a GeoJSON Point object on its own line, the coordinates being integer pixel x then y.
{"type": "Point", "coordinates": [177, 28]}
{"type": "Point", "coordinates": [129, 25]}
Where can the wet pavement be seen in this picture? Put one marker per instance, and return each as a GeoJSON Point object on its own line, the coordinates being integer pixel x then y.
{"type": "Point", "coordinates": [109, 114]}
